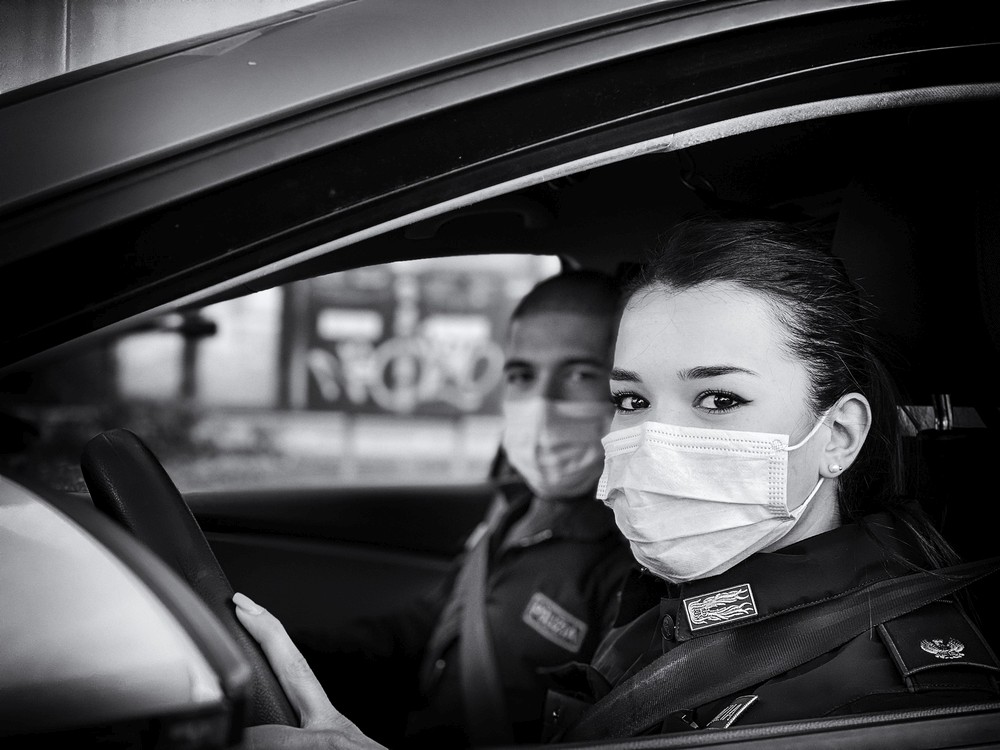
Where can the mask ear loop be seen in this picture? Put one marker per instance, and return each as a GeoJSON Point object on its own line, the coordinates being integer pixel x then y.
{"type": "Point", "coordinates": [811, 495]}
{"type": "Point", "coordinates": [813, 431]}
{"type": "Point", "coordinates": [803, 441]}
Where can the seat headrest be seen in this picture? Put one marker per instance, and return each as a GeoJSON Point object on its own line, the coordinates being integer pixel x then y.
{"type": "Point", "coordinates": [921, 236]}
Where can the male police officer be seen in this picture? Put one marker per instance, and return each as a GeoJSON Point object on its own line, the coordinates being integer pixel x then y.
{"type": "Point", "coordinates": [537, 584]}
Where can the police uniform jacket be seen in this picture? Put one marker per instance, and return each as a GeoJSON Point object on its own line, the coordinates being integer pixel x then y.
{"type": "Point", "coordinates": [551, 594]}
{"type": "Point", "coordinates": [930, 657]}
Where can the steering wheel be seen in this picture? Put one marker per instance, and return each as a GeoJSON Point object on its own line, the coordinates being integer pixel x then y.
{"type": "Point", "coordinates": [128, 483]}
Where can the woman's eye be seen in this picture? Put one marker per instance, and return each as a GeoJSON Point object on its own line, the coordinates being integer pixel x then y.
{"type": "Point", "coordinates": [719, 402]}
{"type": "Point", "coordinates": [627, 402]}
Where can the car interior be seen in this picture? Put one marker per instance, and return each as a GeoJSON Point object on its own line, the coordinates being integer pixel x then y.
{"type": "Point", "coordinates": [906, 195]}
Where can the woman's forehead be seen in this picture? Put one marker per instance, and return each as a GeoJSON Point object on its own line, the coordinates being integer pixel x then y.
{"type": "Point", "coordinates": [705, 325]}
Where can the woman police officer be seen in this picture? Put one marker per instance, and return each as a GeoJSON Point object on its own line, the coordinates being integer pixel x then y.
{"type": "Point", "coordinates": [752, 467]}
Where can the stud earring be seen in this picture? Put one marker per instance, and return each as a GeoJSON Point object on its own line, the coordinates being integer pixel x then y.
{"type": "Point", "coordinates": [835, 468]}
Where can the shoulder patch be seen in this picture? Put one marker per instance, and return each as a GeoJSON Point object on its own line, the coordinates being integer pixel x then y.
{"type": "Point", "coordinates": [937, 635]}
{"type": "Point", "coordinates": [554, 623]}
{"type": "Point", "coordinates": [720, 607]}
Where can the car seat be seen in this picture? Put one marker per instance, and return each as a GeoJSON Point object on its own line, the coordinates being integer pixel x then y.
{"type": "Point", "coordinates": [919, 230]}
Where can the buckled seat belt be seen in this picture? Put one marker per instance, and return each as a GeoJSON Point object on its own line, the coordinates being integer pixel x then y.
{"type": "Point", "coordinates": [486, 718]}
{"type": "Point", "coordinates": [723, 663]}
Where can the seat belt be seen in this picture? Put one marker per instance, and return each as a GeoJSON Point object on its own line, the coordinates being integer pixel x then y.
{"type": "Point", "coordinates": [486, 718]}
{"type": "Point", "coordinates": [721, 664]}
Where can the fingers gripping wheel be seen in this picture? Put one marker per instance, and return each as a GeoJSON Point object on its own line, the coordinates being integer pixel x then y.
{"type": "Point", "coordinates": [127, 482]}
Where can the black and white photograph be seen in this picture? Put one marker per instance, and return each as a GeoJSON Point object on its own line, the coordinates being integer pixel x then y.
{"type": "Point", "coordinates": [467, 374]}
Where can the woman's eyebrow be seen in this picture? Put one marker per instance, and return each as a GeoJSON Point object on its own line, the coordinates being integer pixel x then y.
{"type": "Point", "coordinates": [618, 373]}
{"type": "Point", "coordinates": [711, 371]}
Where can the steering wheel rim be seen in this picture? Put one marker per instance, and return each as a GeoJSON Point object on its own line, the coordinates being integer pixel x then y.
{"type": "Point", "coordinates": [128, 483]}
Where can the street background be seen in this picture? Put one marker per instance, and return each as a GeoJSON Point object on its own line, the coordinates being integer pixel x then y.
{"type": "Point", "coordinates": [381, 375]}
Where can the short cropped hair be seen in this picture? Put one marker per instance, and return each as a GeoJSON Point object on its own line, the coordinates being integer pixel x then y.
{"type": "Point", "coordinates": [586, 292]}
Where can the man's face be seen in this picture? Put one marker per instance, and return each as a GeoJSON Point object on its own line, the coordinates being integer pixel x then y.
{"type": "Point", "coordinates": [558, 356]}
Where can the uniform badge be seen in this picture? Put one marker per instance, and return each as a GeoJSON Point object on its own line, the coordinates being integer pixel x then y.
{"type": "Point", "coordinates": [728, 716]}
{"type": "Point", "coordinates": [720, 607]}
{"type": "Point", "coordinates": [554, 623]}
{"type": "Point", "coordinates": [951, 650]}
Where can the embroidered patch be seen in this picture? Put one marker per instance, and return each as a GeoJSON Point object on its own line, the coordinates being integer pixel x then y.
{"type": "Point", "coordinates": [951, 650]}
{"type": "Point", "coordinates": [728, 716]}
{"type": "Point", "coordinates": [927, 644]}
{"type": "Point", "coordinates": [720, 607]}
{"type": "Point", "coordinates": [554, 623]}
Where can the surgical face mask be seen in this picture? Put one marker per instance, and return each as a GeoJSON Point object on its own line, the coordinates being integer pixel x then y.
{"type": "Point", "coordinates": [556, 445]}
{"type": "Point", "coordinates": [693, 502]}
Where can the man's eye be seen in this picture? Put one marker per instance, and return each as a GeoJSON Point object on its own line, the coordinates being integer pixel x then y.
{"type": "Point", "coordinates": [628, 402]}
{"type": "Point", "coordinates": [517, 377]}
{"type": "Point", "coordinates": [719, 402]}
{"type": "Point", "coordinates": [584, 374]}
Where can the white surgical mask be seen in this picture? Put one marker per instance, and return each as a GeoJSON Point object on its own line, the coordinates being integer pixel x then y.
{"type": "Point", "coordinates": [693, 502]}
{"type": "Point", "coordinates": [556, 445]}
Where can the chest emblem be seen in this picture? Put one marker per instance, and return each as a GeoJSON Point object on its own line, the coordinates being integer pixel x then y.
{"type": "Point", "coordinates": [554, 623]}
{"type": "Point", "coordinates": [951, 650]}
{"type": "Point", "coordinates": [720, 607]}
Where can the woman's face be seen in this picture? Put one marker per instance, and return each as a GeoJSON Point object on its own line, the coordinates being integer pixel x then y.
{"type": "Point", "coordinates": [714, 357]}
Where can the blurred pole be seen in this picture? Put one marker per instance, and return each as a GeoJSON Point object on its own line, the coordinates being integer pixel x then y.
{"type": "Point", "coordinates": [189, 358]}
{"type": "Point", "coordinates": [293, 372]}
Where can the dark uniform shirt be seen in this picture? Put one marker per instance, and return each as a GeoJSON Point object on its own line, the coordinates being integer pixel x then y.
{"type": "Point", "coordinates": [933, 656]}
{"type": "Point", "coordinates": [551, 594]}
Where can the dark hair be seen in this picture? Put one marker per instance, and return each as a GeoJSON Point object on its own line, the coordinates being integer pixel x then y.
{"type": "Point", "coordinates": [581, 291]}
{"type": "Point", "coordinates": [829, 326]}
{"type": "Point", "coordinates": [585, 291]}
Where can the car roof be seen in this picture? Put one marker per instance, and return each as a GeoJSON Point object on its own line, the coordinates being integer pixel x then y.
{"type": "Point", "coordinates": [286, 147]}
{"type": "Point", "coordinates": [151, 104]}
{"type": "Point", "coordinates": [158, 104]}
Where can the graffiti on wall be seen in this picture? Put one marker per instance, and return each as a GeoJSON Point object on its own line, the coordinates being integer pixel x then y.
{"type": "Point", "coordinates": [410, 346]}
{"type": "Point", "coordinates": [400, 375]}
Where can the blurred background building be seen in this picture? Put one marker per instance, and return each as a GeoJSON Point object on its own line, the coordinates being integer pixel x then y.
{"type": "Point", "coordinates": [40, 39]}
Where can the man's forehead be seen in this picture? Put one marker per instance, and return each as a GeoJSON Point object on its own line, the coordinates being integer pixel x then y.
{"type": "Point", "coordinates": [564, 335]}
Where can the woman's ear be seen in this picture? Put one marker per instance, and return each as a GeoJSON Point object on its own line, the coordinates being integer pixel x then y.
{"type": "Point", "coordinates": [849, 421]}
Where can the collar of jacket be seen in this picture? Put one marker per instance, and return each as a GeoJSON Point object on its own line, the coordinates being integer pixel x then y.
{"type": "Point", "coordinates": [583, 518]}
{"type": "Point", "coordinates": [848, 557]}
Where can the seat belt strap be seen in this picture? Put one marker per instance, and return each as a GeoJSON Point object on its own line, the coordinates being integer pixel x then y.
{"type": "Point", "coordinates": [486, 718]}
{"type": "Point", "coordinates": [723, 663]}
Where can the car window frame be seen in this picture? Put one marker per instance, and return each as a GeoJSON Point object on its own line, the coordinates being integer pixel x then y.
{"type": "Point", "coordinates": [189, 263]}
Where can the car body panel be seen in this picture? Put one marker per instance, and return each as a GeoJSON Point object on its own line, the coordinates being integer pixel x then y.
{"type": "Point", "coordinates": [116, 621]}
{"type": "Point", "coordinates": [87, 642]}
{"type": "Point", "coordinates": [300, 61]}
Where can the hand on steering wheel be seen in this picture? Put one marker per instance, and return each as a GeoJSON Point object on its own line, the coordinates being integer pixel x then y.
{"type": "Point", "coordinates": [322, 725]}
{"type": "Point", "coordinates": [128, 482]}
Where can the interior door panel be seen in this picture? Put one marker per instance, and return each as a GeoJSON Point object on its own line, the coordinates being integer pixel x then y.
{"type": "Point", "coordinates": [323, 584]}
{"type": "Point", "coordinates": [319, 558]}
